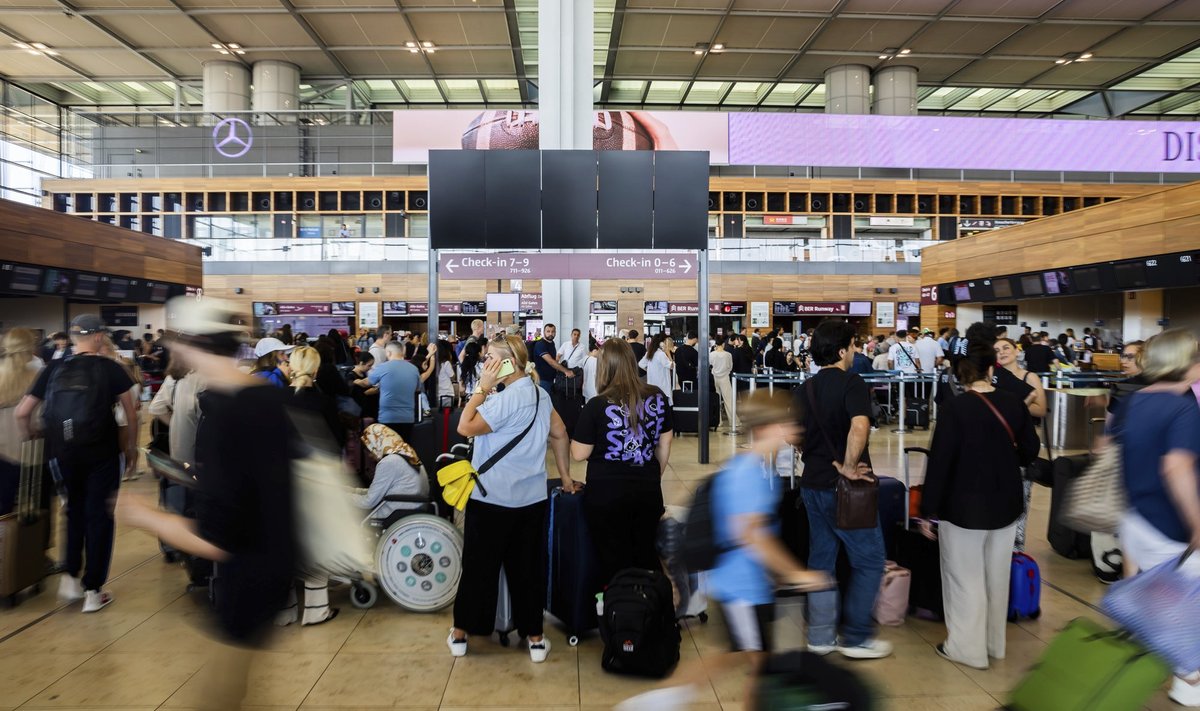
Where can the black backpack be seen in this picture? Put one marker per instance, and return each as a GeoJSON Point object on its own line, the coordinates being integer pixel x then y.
{"type": "Point", "coordinates": [78, 412]}
{"type": "Point", "coordinates": [639, 629]}
{"type": "Point", "coordinates": [699, 549]}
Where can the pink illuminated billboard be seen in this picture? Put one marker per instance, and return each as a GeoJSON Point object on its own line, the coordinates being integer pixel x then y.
{"type": "Point", "coordinates": [414, 133]}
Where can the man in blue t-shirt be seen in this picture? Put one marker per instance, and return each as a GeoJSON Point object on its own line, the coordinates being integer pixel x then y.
{"type": "Point", "coordinates": [398, 382]}
{"type": "Point", "coordinates": [753, 561]}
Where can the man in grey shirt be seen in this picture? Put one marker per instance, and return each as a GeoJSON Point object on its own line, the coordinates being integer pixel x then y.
{"type": "Point", "coordinates": [379, 347]}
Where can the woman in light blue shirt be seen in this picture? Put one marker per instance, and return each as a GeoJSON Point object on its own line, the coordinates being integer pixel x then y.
{"type": "Point", "coordinates": [505, 526]}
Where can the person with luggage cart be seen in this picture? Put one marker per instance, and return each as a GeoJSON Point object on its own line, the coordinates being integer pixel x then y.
{"type": "Point", "coordinates": [624, 434]}
{"type": "Point", "coordinates": [836, 410]}
{"type": "Point", "coordinates": [751, 561]}
{"type": "Point", "coordinates": [973, 489]}
{"type": "Point", "coordinates": [87, 454]}
{"type": "Point", "coordinates": [506, 513]}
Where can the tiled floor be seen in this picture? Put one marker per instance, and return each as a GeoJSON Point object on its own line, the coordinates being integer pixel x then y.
{"type": "Point", "coordinates": [144, 651]}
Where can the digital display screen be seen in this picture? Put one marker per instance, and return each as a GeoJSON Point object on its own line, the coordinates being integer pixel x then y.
{"type": "Point", "coordinates": [475, 307]}
{"type": "Point", "coordinates": [656, 308]}
{"type": "Point", "coordinates": [1002, 288]}
{"type": "Point", "coordinates": [117, 288]}
{"type": "Point", "coordinates": [265, 308]}
{"type": "Point", "coordinates": [1057, 282]}
{"type": "Point", "coordinates": [158, 293]}
{"type": "Point", "coordinates": [1087, 279]}
{"type": "Point", "coordinates": [395, 308]}
{"type": "Point", "coordinates": [861, 308]}
{"type": "Point", "coordinates": [1131, 274]}
{"type": "Point", "coordinates": [962, 293]}
{"type": "Point", "coordinates": [1031, 285]}
{"type": "Point", "coordinates": [909, 308]}
{"type": "Point", "coordinates": [86, 284]}
{"type": "Point", "coordinates": [734, 307]}
{"type": "Point", "coordinates": [503, 302]}
{"type": "Point", "coordinates": [56, 281]}
{"type": "Point", "coordinates": [24, 278]}
{"type": "Point", "coordinates": [604, 307]}
{"type": "Point", "coordinates": [341, 308]}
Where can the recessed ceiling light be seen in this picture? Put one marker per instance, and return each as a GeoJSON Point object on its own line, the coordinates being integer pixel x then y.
{"type": "Point", "coordinates": [1060, 61]}
{"type": "Point", "coordinates": [233, 45]}
{"type": "Point", "coordinates": [697, 52]}
{"type": "Point", "coordinates": [20, 45]}
{"type": "Point", "coordinates": [241, 51]}
{"type": "Point", "coordinates": [905, 51]}
{"type": "Point", "coordinates": [718, 48]}
{"type": "Point", "coordinates": [884, 56]}
{"type": "Point", "coordinates": [1086, 55]}
{"type": "Point", "coordinates": [414, 50]}
{"type": "Point", "coordinates": [223, 51]}
{"type": "Point", "coordinates": [216, 45]}
{"type": "Point", "coordinates": [427, 44]}
{"type": "Point", "coordinates": [410, 44]}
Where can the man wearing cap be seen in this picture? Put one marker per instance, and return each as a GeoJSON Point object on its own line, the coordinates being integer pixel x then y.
{"type": "Point", "coordinates": [272, 366]}
{"type": "Point", "coordinates": [929, 353]}
{"type": "Point", "coordinates": [85, 450]}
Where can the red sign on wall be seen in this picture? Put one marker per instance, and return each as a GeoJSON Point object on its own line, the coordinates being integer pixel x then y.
{"type": "Point", "coordinates": [929, 295]}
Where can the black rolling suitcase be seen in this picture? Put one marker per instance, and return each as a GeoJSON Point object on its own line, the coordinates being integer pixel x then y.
{"type": "Point", "coordinates": [23, 532]}
{"type": "Point", "coordinates": [568, 400]}
{"type": "Point", "coordinates": [686, 406]}
{"type": "Point", "coordinates": [921, 556]}
{"type": "Point", "coordinates": [916, 413]}
{"type": "Point", "coordinates": [571, 577]}
{"type": "Point", "coordinates": [1065, 541]}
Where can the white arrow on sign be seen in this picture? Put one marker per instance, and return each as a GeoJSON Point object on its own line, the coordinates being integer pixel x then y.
{"type": "Point", "coordinates": [687, 267]}
{"type": "Point", "coordinates": [450, 266]}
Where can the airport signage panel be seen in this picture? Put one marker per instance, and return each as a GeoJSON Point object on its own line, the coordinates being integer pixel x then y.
{"type": "Point", "coordinates": [806, 308]}
{"type": "Point", "coordinates": [537, 265]}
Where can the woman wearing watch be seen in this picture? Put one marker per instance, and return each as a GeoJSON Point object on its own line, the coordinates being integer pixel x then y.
{"type": "Point", "coordinates": [506, 526]}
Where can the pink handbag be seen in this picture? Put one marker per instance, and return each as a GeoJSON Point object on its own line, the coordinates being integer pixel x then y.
{"type": "Point", "coordinates": [891, 607]}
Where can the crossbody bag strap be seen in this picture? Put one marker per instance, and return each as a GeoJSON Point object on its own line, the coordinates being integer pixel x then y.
{"type": "Point", "coordinates": [1007, 427]}
{"type": "Point", "coordinates": [500, 454]}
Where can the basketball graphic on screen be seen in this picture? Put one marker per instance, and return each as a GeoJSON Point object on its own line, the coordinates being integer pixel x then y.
{"type": "Point", "coordinates": [520, 130]}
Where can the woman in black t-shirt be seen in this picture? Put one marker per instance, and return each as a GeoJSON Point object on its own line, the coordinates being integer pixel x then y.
{"type": "Point", "coordinates": [624, 433]}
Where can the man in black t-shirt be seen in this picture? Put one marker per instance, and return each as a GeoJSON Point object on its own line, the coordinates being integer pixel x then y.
{"type": "Point", "coordinates": [639, 351]}
{"type": "Point", "coordinates": [687, 360]}
{"type": "Point", "coordinates": [1038, 357]}
{"type": "Point", "coordinates": [743, 359]}
{"type": "Point", "coordinates": [89, 471]}
{"type": "Point", "coordinates": [835, 410]}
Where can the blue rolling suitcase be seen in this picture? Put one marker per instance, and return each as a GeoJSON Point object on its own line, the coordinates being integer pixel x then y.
{"type": "Point", "coordinates": [571, 575]}
{"type": "Point", "coordinates": [1025, 589]}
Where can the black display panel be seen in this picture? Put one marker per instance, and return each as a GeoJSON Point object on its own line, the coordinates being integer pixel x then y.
{"type": "Point", "coordinates": [512, 199]}
{"type": "Point", "coordinates": [962, 293]}
{"type": "Point", "coordinates": [907, 308]}
{"type": "Point", "coordinates": [474, 308]}
{"type": "Point", "coordinates": [1002, 288]}
{"type": "Point", "coordinates": [117, 289]}
{"type": "Point", "coordinates": [981, 290]}
{"type": "Point", "coordinates": [680, 200]}
{"type": "Point", "coordinates": [657, 308]}
{"type": "Point", "coordinates": [1171, 270]}
{"type": "Point", "coordinates": [1057, 282]}
{"type": "Point", "coordinates": [159, 293]}
{"type": "Point", "coordinates": [627, 199]}
{"type": "Point", "coordinates": [1131, 275]}
{"type": "Point", "coordinates": [57, 281]}
{"type": "Point", "coordinates": [87, 285]}
{"type": "Point", "coordinates": [569, 199]}
{"type": "Point", "coordinates": [456, 187]}
{"type": "Point", "coordinates": [1086, 279]}
{"type": "Point", "coordinates": [23, 279]}
{"type": "Point", "coordinates": [1031, 285]}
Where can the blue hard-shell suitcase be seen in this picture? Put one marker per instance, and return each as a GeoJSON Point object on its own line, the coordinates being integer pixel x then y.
{"type": "Point", "coordinates": [571, 573]}
{"type": "Point", "coordinates": [1025, 588]}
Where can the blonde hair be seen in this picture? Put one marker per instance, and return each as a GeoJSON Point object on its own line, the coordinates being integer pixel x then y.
{"type": "Point", "coordinates": [16, 377]}
{"type": "Point", "coordinates": [304, 362]}
{"type": "Point", "coordinates": [1169, 355]}
{"type": "Point", "coordinates": [515, 348]}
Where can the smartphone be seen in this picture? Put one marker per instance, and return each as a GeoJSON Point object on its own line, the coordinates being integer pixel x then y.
{"type": "Point", "coordinates": [506, 368]}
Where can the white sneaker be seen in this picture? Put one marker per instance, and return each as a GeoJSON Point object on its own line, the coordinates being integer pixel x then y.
{"type": "Point", "coordinates": [458, 647]}
{"type": "Point", "coordinates": [96, 600]}
{"type": "Point", "coordinates": [538, 651]}
{"type": "Point", "coordinates": [822, 649]}
{"type": "Point", "coordinates": [666, 699]}
{"type": "Point", "coordinates": [1185, 693]}
{"type": "Point", "coordinates": [871, 649]}
{"type": "Point", "coordinates": [70, 589]}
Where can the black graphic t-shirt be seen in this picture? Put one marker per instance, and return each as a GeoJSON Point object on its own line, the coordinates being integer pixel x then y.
{"type": "Point", "coordinates": [619, 450]}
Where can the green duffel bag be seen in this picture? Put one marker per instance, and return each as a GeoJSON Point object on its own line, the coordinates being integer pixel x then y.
{"type": "Point", "coordinates": [1090, 668]}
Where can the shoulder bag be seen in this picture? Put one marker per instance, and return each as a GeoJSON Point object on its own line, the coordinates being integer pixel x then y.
{"type": "Point", "coordinates": [1096, 501]}
{"type": "Point", "coordinates": [460, 478]}
{"type": "Point", "coordinates": [857, 499]}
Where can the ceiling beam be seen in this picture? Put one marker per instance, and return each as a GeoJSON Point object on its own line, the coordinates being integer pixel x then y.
{"type": "Point", "coordinates": [991, 51]}
{"type": "Point", "coordinates": [514, 40]}
{"type": "Point", "coordinates": [704, 57]}
{"type": "Point", "coordinates": [614, 42]}
{"type": "Point", "coordinates": [56, 58]}
{"type": "Point", "coordinates": [400, 90]}
{"type": "Point", "coordinates": [803, 49]}
{"type": "Point", "coordinates": [72, 11]}
{"type": "Point", "coordinates": [908, 43]}
{"type": "Point", "coordinates": [204, 28]}
{"type": "Point", "coordinates": [424, 55]}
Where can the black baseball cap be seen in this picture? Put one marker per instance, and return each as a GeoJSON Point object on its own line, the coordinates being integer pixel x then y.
{"type": "Point", "coordinates": [87, 324]}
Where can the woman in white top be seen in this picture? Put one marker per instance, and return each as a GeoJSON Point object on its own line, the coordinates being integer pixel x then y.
{"type": "Point", "coordinates": [177, 405]}
{"type": "Point", "coordinates": [658, 364]}
{"type": "Point", "coordinates": [17, 373]}
{"type": "Point", "coordinates": [447, 380]}
{"type": "Point", "coordinates": [589, 370]}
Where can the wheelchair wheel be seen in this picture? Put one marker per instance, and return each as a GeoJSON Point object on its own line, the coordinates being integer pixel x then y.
{"type": "Point", "coordinates": [363, 595]}
{"type": "Point", "coordinates": [419, 562]}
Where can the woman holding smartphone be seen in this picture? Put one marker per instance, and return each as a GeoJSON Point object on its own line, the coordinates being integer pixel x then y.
{"type": "Point", "coordinates": [505, 525]}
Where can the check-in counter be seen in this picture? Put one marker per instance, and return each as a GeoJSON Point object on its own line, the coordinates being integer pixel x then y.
{"type": "Point", "coordinates": [1071, 413]}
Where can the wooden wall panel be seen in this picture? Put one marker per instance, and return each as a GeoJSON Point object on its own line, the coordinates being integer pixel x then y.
{"type": "Point", "coordinates": [47, 238]}
{"type": "Point", "coordinates": [1156, 223]}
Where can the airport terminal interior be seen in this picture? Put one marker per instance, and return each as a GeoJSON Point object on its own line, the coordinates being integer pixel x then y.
{"type": "Point", "coordinates": [244, 178]}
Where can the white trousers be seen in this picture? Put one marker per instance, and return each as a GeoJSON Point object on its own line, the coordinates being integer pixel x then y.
{"type": "Point", "coordinates": [725, 390]}
{"type": "Point", "coordinates": [976, 566]}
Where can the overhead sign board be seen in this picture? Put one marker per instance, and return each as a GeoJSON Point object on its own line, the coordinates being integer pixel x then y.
{"type": "Point", "coordinates": [536, 265]}
{"type": "Point", "coordinates": [987, 223]}
{"type": "Point", "coordinates": [803, 308]}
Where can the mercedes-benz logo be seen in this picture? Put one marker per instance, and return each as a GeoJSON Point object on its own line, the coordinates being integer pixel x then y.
{"type": "Point", "coordinates": [232, 138]}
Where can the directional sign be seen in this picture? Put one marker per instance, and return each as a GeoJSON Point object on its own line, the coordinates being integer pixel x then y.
{"type": "Point", "coordinates": [534, 265]}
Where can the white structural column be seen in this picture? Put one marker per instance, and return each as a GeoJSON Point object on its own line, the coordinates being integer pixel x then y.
{"type": "Point", "coordinates": [848, 89]}
{"type": "Point", "coordinates": [896, 91]}
{"type": "Point", "coordinates": [276, 88]}
{"type": "Point", "coordinates": [566, 111]}
{"type": "Point", "coordinates": [226, 87]}
{"type": "Point", "coordinates": [1142, 313]}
